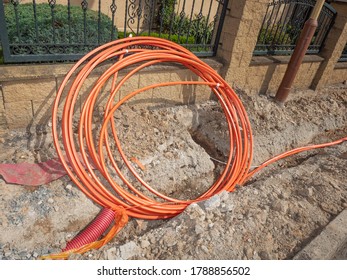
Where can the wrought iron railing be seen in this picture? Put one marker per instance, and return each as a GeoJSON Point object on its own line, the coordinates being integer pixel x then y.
{"type": "Point", "coordinates": [283, 23]}
{"type": "Point", "coordinates": [59, 31]}
{"type": "Point", "coordinates": [343, 57]}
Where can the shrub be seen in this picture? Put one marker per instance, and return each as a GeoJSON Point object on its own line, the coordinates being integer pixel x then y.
{"type": "Point", "coordinates": [60, 25]}
{"type": "Point", "coordinates": [55, 33]}
{"type": "Point", "coordinates": [165, 12]}
{"type": "Point", "coordinates": [174, 37]}
{"type": "Point", "coordinates": [275, 35]}
{"type": "Point", "coordinates": [198, 27]}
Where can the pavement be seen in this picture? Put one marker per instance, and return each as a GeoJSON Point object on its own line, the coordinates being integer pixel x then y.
{"type": "Point", "coordinates": [330, 244]}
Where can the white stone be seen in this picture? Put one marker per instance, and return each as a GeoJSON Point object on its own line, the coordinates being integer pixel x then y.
{"type": "Point", "coordinates": [129, 250]}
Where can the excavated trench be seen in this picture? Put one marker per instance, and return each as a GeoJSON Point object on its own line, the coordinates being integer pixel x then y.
{"type": "Point", "coordinates": [182, 150]}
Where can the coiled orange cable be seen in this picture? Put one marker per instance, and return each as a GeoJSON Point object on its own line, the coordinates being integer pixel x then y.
{"type": "Point", "coordinates": [88, 162]}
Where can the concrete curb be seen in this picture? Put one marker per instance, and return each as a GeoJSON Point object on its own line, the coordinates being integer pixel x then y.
{"type": "Point", "coordinates": [331, 243]}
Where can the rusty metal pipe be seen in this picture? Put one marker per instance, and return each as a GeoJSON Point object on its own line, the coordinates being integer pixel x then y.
{"type": "Point", "coordinates": [296, 60]}
{"type": "Point", "coordinates": [299, 53]}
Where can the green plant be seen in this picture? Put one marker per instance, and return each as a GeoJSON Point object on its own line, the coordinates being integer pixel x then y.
{"type": "Point", "coordinates": [165, 12]}
{"type": "Point", "coordinates": [172, 23]}
{"type": "Point", "coordinates": [199, 28]}
{"type": "Point", "coordinates": [56, 29]}
{"type": "Point", "coordinates": [172, 37]}
{"type": "Point", "coordinates": [275, 35]}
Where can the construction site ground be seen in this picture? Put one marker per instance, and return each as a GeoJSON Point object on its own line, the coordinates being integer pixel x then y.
{"type": "Point", "coordinates": [182, 150]}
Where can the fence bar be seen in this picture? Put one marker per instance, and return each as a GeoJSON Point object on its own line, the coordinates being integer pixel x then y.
{"type": "Point", "coordinates": [4, 35]}
{"type": "Point", "coordinates": [69, 18]}
{"type": "Point", "coordinates": [84, 5]}
{"type": "Point", "coordinates": [113, 9]}
{"type": "Point", "coordinates": [220, 26]}
{"type": "Point", "coordinates": [99, 22]}
{"type": "Point", "coordinates": [36, 27]}
{"type": "Point", "coordinates": [15, 6]}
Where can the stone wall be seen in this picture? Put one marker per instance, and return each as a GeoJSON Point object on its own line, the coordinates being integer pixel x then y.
{"type": "Point", "coordinates": [265, 74]}
{"type": "Point", "coordinates": [28, 91]}
{"type": "Point", "coordinates": [339, 73]}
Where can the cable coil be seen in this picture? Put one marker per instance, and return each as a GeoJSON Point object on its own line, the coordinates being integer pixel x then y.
{"type": "Point", "coordinates": [134, 52]}
{"type": "Point", "coordinates": [86, 161]}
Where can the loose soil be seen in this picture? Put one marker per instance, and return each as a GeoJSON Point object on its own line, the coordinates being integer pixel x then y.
{"type": "Point", "coordinates": [181, 151]}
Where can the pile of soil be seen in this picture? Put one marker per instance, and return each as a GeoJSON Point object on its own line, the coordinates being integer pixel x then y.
{"type": "Point", "coordinates": [182, 150]}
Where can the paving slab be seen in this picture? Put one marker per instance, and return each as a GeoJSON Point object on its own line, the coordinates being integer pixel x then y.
{"type": "Point", "coordinates": [331, 243]}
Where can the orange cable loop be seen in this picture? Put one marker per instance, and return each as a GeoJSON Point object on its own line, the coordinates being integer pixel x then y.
{"type": "Point", "coordinates": [133, 53]}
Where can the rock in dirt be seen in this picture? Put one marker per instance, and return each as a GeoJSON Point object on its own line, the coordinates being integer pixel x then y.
{"type": "Point", "coordinates": [129, 250]}
{"type": "Point", "coordinates": [212, 203]}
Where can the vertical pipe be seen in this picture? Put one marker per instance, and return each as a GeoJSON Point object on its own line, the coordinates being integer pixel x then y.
{"type": "Point", "coordinates": [299, 53]}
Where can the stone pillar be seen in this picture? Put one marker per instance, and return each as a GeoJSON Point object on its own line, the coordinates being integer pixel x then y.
{"type": "Point", "coordinates": [239, 36]}
{"type": "Point", "coordinates": [334, 45]}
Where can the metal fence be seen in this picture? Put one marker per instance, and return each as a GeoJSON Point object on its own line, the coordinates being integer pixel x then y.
{"type": "Point", "coordinates": [283, 23]}
{"type": "Point", "coordinates": [343, 57]}
{"type": "Point", "coordinates": [52, 30]}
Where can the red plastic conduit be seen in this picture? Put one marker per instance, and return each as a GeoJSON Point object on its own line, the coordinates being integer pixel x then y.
{"type": "Point", "coordinates": [93, 231]}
